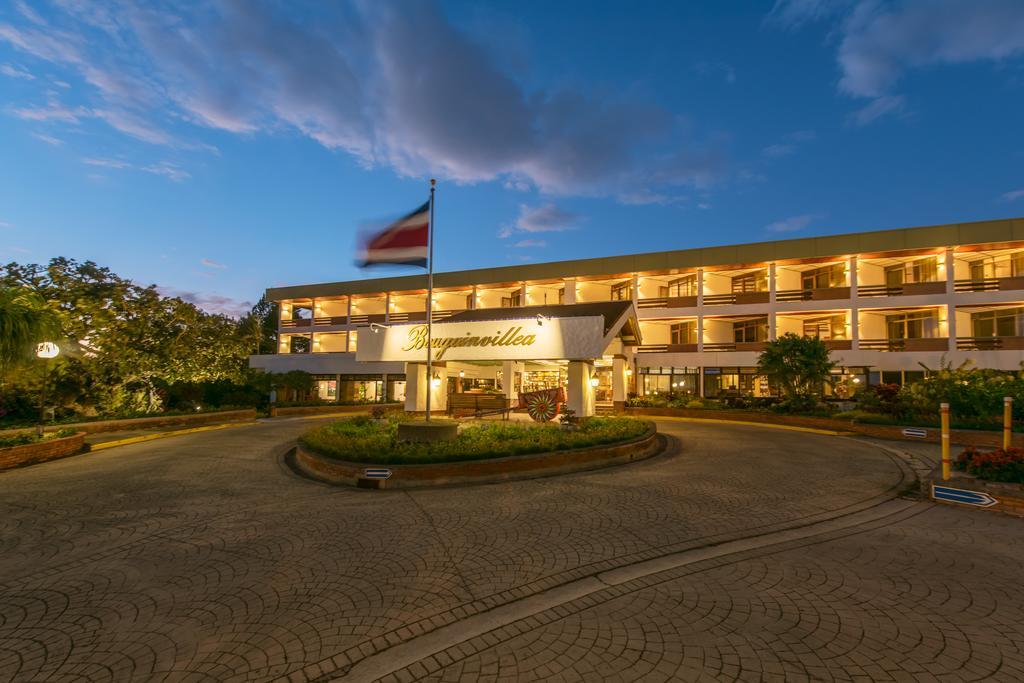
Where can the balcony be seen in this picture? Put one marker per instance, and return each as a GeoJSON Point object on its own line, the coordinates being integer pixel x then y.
{"type": "Point", "coordinates": [331, 320]}
{"type": "Point", "coordinates": [990, 343]}
{"type": "Point", "coordinates": [667, 348]}
{"type": "Point", "coordinates": [992, 284]}
{"type": "Point", "coordinates": [738, 298]}
{"type": "Point", "coordinates": [927, 344]}
{"type": "Point", "coordinates": [668, 302]}
{"type": "Point", "coordinates": [301, 322]}
{"type": "Point", "coordinates": [906, 289]}
{"type": "Point", "coordinates": [824, 294]}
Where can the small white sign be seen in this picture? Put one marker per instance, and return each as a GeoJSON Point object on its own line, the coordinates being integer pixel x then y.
{"type": "Point", "coordinates": [916, 433]}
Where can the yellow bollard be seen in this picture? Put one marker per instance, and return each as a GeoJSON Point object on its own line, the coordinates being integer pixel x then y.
{"type": "Point", "coordinates": [944, 411]}
{"type": "Point", "coordinates": [1007, 422]}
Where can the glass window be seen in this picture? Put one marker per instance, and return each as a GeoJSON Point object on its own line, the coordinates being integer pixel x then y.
{"type": "Point", "coordinates": [894, 276]}
{"type": "Point", "coordinates": [1005, 322]}
{"type": "Point", "coordinates": [925, 270]}
{"type": "Point", "coordinates": [753, 330]}
{"type": "Point", "coordinates": [832, 327]}
{"type": "Point", "coordinates": [685, 332]}
{"type": "Point", "coordinates": [917, 325]}
{"type": "Point", "coordinates": [326, 389]}
{"type": "Point", "coordinates": [980, 270]}
{"type": "Point", "coordinates": [824, 278]}
{"type": "Point", "coordinates": [657, 384]}
{"type": "Point", "coordinates": [684, 286]}
{"type": "Point", "coordinates": [514, 300]}
{"type": "Point", "coordinates": [299, 344]}
{"type": "Point", "coordinates": [352, 341]}
{"type": "Point", "coordinates": [622, 291]}
{"type": "Point", "coordinates": [1017, 264]}
{"type": "Point", "coordinates": [751, 282]}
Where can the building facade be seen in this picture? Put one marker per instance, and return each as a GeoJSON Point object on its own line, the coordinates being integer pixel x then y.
{"type": "Point", "coordinates": [888, 304]}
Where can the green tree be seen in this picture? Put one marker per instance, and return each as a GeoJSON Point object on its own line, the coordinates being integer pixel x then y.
{"type": "Point", "coordinates": [259, 327]}
{"type": "Point", "coordinates": [799, 366]}
{"type": "Point", "coordinates": [25, 321]}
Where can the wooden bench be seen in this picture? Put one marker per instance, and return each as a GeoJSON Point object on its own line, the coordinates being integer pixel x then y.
{"type": "Point", "coordinates": [478, 405]}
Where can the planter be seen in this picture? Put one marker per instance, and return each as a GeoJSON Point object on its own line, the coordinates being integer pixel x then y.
{"type": "Point", "coordinates": [100, 426]}
{"type": "Point", "coordinates": [318, 410]}
{"type": "Point", "coordinates": [960, 437]}
{"type": "Point", "coordinates": [32, 453]}
{"type": "Point", "coordinates": [481, 471]}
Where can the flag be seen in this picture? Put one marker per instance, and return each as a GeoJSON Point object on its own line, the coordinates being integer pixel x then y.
{"type": "Point", "coordinates": [404, 242]}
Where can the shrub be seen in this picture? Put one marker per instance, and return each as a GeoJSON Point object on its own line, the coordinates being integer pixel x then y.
{"type": "Point", "coordinates": [361, 439]}
{"type": "Point", "coordinates": [17, 440]}
{"type": "Point", "coordinates": [998, 465]}
{"type": "Point", "coordinates": [803, 405]}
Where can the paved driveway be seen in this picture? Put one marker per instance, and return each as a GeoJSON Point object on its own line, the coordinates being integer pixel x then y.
{"type": "Point", "coordinates": [743, 553]}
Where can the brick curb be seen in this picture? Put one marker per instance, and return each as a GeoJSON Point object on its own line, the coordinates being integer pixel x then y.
{"type": "Point", "coordinates": [44, 451]}
{"type": "Point", "coordinates": [100, 426]}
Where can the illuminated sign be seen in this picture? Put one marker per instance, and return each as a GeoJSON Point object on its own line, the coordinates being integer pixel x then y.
{"type": "Point", "coordinates": [525, 339]}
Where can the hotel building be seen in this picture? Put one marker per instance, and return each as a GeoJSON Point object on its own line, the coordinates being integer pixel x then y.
{"type": "Point", "coordinates": [888, 304]}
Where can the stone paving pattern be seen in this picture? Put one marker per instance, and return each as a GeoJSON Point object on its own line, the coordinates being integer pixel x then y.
{"type": "Point", "coordinates": [203, 558]}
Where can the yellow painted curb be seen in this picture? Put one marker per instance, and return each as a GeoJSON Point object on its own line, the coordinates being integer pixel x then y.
{"type": "Point", "coordinates": [767, 425]}
{"type": "Point", "coordinates": [163, 435]}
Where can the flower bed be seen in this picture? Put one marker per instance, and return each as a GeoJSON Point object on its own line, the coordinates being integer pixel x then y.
{"type": "Point", "coordinates": [998, 465]}
{"type": "Point", "coordinates": [363, 440]}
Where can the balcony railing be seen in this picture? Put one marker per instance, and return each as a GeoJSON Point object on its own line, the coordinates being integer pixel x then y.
{"type": "Point", "coordinates": [408, 316]}
{"type": "Point", "coordinates": [991, 284]}
{"type": "Point", "coordinates": [667, 348]}
{"type": "Point", "coordinates": [668, 302]}
{"type": "Point", "coordinates": [301, 322]}
{"type": "Point", "coordinates": [824, 294]}
{"type": "Point", "coordinates": [990, 343]}
{"type": "Point", "coordinates": [331, 320]}
{"type": "Point", "coordinates": [930, 344]}
{"type": "Point", "coordinates": [907, 289]}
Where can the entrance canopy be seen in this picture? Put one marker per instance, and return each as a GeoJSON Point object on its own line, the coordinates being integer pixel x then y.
{"type": "Point", "coordinates": [573, 331]}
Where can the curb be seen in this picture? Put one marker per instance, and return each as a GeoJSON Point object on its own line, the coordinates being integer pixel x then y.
{"type": "Point", "coordinates": [766, 425]}
{"type": "Point", "coordinates": [164, 435]}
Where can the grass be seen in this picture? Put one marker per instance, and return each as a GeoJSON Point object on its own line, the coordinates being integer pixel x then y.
{"type": "Point", "coordinates": [361, 439]}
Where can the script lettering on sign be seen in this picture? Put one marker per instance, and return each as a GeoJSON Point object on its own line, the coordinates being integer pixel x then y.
{"type": "Point", "coordinates": [513, 337]}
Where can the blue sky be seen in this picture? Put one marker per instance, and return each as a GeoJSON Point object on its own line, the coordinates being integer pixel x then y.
{"type": "Point", "coordinates": [219, 148]}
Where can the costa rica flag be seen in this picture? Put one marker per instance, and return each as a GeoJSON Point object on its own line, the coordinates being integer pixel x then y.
{"type": "Point", "coordinates": [404, 242]}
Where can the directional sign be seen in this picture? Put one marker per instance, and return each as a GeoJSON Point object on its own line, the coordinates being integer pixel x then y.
{"type": "Point", "coordinates": [916, 433]}
{"type": "Point", "coordinates": [377, 473]}
{"type": "Point", "coordinates": [963, 496]}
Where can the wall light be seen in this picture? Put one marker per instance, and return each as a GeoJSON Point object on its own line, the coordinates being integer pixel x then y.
{"type": "Point", "coordinates": [462, 373]}
{"type": "Point", "coordinates": [374, 327]}
{"type": "Point", "coordinates": [594, 381]}
{"type": "Point", "coordinates": [436, 381]}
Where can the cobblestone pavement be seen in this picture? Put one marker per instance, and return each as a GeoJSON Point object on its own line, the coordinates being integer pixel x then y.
{"type": "Point", "coordinates": [203, 558]}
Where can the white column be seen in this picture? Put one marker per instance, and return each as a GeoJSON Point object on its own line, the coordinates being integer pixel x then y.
{"type": "Point", "coordinates": [570, 291]}
{"type": "Point", "coordinates": [508, 377]}
{"type": "Point", "coordinates": [522, 295]}
{"type": "Point", "coordinates": [349, 313]}
{"type": "Point", "coordinates": [700, 287]}
{"type": "Point", "coordinates": [635, 290]}
{"type": "Point", "coordinates": [416, 386]}
{"type": "Point", "coordinates": [580, 396]}
{"type": "Point", "coordinates": [854, 306]}
{"type": "Point", "coordinates": [950, 301]}
{"type": "Point", "coordinates": [387, 307]}
{"type": "Point", "coordinates": [771, 302]}
{"type": "Point", "coordinates": [619, 387]}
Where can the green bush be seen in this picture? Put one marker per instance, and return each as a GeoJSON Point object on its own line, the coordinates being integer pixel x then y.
{"type": "Point", "coordinates": [997, 465]}
{"type": "Point", "coordinates": [361, 439]}
{"type": "Point", "coordinates": [17, 440]}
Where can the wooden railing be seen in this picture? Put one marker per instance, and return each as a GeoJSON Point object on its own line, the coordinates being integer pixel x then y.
{"type": "Point", "coordinates": [823, 294]}
{"type": "Point", "coordinates": [302, 322]}
{"type": "Point", "coordinates": [668, 302]}
{"type": "Point", "coordinates": [990, 284]}
{"type": "Point", "coordinates": [990, 343]}
{"type": "Point", "coordinates": [929, 344]}
{"type": "Point", "coordinates": [906, 289]}
{"type": "Point", "coordinates": [719, 299]}
{"type": "Point", "coordinates": [331, 320]}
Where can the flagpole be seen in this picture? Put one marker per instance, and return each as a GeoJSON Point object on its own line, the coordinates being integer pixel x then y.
{"type": "Point", "coordinates": [430, 296]}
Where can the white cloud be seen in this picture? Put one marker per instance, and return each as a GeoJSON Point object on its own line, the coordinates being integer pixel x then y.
{"type": "Point", "coordinates": [212, 264]}
{"type": "Point", "coordinates": [209, 302]}
{"type": "Point", "coordinates": [525, 244]}
{"type": "Point", "coordinates": [545, 218]}
{"type": "Point", "coordinates": [168, 171]}
{"type": "Point", "coordinates": [792, 224]}
{"type": "Point", "coordinates": [48, 139]}
{"type": "Point", "coordinates": [105, 163]}
{"type": "Point", "coordinates": [1012, 196]}
{"type": "Point", "coordinates": [879, 42]}
{"type": "Point", "coordinates": [5, 224]}
{"type": "Point", "coordinates": [393, 86]}
{"type": "Point", "coordinates": [14, 71]}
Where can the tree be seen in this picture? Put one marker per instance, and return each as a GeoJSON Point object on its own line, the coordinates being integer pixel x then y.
{"type": "Point", "coordinates": [259, 327]}
{"type": "Point", "coordinates": [799, 366]}
{"type": "Point", "coordinates": [25, 321]}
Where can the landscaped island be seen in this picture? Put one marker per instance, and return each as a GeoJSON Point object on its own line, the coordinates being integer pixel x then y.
{"type": "Point", "coordinates": [366, 440]}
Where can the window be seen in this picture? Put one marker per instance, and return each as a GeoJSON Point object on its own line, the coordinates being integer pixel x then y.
{"type": "Point", "coordinates": [922, 270]}
{"type": "Point", "coordinates": [751, 282]}
{"type": "Point", "coordinates": [753, 330]}
{"type": "Point", "coordinates": [1017, 264]}
{"type": "Point", "coordinates": [980, 270]}
{"type": "Point", "coordinates": [622, 291]}
{"type": "Point", "coordinates": [832, 327]}
{"type": "Point", "coordinates": [299, 344]}
{"type": "Point", "coordinates": [470, 301]}
{"type": "Point", "coordinates": [513, 301]}
{"type": "Point", "coordinates": [1005, 322]}
{"type": "Point", "coordinates": [917, 325]}
{"type": "Point", "coordinates": [352, 341]}
{"type": "Point", "coordinates": [561, 296]}
{"type": "Point", "coordinates": [326, 387]}
{"type": "Point", "coordinates": [685, 332]}
{"type": "Point", "coordinates": [684, 286]}
{"type": "Point", "coordinates": [824, 278]}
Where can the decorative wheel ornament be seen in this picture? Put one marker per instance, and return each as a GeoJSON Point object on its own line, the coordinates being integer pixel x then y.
{"type": "Point", "coordinates": [543, 405]}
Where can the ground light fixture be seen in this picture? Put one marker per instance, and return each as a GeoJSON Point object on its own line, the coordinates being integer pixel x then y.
{"type": "Point", "coordinates": [47, 350]}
